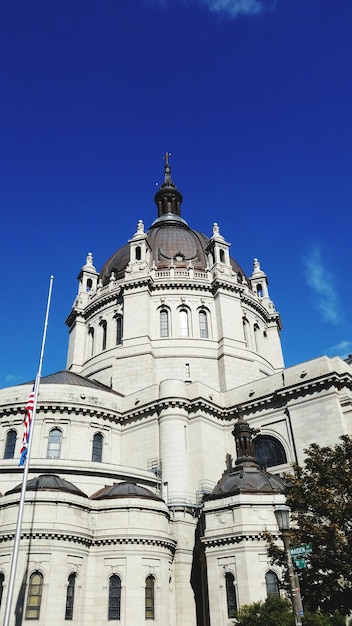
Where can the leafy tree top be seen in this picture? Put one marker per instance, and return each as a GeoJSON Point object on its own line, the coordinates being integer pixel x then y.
{"type": "Point", "coordinates": [320, 497]}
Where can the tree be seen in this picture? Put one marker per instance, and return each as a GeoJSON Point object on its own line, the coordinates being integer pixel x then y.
{"type": "Point", "coordinates": [277, 611]}
{"type": "Point", "coordinates": [320, 497]}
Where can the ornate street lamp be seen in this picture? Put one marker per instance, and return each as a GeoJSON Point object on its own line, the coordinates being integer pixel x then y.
{"type": "Point", "coordinates": [282, 514]}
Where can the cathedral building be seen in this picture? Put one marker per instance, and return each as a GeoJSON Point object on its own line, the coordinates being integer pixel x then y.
{"type": "Point", "coordinates": [157, 453]}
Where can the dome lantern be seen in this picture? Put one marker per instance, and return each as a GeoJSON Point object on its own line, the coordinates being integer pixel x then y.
{"type": "Point", "coordinates": [168, 199]}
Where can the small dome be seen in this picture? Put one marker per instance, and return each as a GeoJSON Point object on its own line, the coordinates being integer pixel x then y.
{"type": "Point", "coordinates": [49, 482]}
{"type": "Point", "coordinates": [247, 478]}
{"type": "Point", "coordinates": [124, 490]}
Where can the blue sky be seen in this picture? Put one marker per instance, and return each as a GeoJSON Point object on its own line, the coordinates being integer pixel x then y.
{"type": "Point", "coordinates": [253, 98]}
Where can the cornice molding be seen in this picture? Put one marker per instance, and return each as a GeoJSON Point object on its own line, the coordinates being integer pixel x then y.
{"type": "Point", "coordinates": [168, 545]}
{"type": "Point", "coordinates": [228, 540]}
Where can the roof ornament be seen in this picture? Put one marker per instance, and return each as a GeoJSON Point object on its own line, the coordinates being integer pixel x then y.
{"type": "Point", "coordinates": [168, 199]}
{"type": "Point", "coordinates": [89, 263]}
{"type": "Point", "coordinates": [167, 171]}
{"type": "Point", "coordinates": [89, 259]}
{"type": "Point", "coordinates": [257, 270]}
{"type": "Point", "coordinates": [216, 232]}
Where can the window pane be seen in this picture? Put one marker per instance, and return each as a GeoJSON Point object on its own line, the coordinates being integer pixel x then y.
{"type": "Point", "coordinates": [54, 444]}
{"type": "Point", "coordinates": [114, 612]}
{"type": "Point", "coordinates": [184, 329]}
{"type": "Point", "coordinates": [70, 597]}
{"type": "Point", "coordinates": [203, 324]}
{"type": "Point", "coordinates": [118, 330]}
{"type": "Point", "coordinates": [34, 597]}
{"type": "Point", "coordinates": [164, 324]}
{"type": "Point", "coordinates": [272, 584]}
{"type": "Point", "coordinates": [10, 444]}
{"type": "Point", "coordinates": [269, 451]}
{"type": "Point", "coordinates": [103, 337]}
{"type": "Point", "coordinates": [231, 595]}
{"type": "Point", "coordinates": [97, 452]}
{"type": "Point", "coordinates": [149, 598]}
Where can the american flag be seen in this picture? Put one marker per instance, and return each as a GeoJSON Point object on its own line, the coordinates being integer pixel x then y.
{"type": "Point", "coordinates": [27, 420]}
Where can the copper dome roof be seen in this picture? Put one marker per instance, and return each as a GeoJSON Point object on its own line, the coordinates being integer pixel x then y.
{"type": "Point", "coordinates": [49, 482]}
{"type": "Point", "coordinates": [170, 238]}
{"type": "Point", "coordinates": [124, 490]}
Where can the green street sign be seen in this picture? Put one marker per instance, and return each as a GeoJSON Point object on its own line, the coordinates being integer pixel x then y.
{"type": "Point", "coordinates": [301, 550]}
{"type": "Point", "coordinates": [300, 563]}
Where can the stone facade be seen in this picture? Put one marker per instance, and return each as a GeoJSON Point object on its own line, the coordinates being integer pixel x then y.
{"type": "Point", "coordinates": [168, 345]}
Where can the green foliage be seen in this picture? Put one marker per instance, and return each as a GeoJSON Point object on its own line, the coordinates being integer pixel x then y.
{"type": "Point", "coordinates": [320, 497]}
{"type": "Point", "coordinates": [275, 611]}
{"type": "Point", "coordinates": [322, 619]}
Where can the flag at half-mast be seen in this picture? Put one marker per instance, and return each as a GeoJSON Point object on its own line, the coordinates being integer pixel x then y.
{"type": "Point", "coordinates": [27, 421]}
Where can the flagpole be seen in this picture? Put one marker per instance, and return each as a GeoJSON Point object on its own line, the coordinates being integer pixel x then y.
{"type": "Point", "coordinates": [10, 591]}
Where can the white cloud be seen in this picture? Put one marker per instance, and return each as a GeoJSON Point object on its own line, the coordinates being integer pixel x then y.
{"type": "Point", "coordinates": [10, 378]}
{"type": "Point", "coordinates": [239, 7]}
{"type": "Point", "coordinates": [342, 349]}
{"type": "Point", "coordinates": [229, 8]}
{"type": "Point", "coordinates": [322, 282]}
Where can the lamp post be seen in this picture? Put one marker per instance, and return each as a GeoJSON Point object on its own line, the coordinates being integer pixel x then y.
{"type": "Point", "coordinates": [282, 514]}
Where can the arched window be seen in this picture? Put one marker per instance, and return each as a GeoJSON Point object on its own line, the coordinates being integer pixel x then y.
{"type": "Point", "coordinates": [150, 597]}
{"type": "Point", "coordinates": [138, 253]}
{"type": "Point", "coordinates": [272, 584]}
{"type": "Point", "coordinates": [2, 580]}
{"type": "Point", "coordinates": [269, 451]}
{"type": "Point", "coordinates": [89, 284]}
{"type": "Point", "coordinates": [222, 256]}
{"type": "Point", "coordinates": [70, 596]}
{"type": "Point", "coordinates": [260, 290]}
{"type": "Point", "coordinates": [184, 325]}
{"type": "Point", "coordinates": [34, 597]}
{"type": "Point", "coordinates": [114, 611]}
{"type": "Point", "coordinates": [90, 341]}
{"type": "Point", "coordinates": [256, 337]}
{"type": "Point", "coordinates": [103, 325]}
{"type": "Point", "coordinates": [203, 324]}
{"type": "Point", "coordinates": [164, 323]}
{"type": "Point", "coordinates": [119, 330]}
{"type": "Point", "coordinates": [54, 444]}
{"type": "Point", "coordinates": [246, 332]}
{"type": "Point", "coordinates": [10, 444]}
{"type": "Point", "coordinates": [230, 595]}
{"type": "Point", "coordinates": [97, 450]}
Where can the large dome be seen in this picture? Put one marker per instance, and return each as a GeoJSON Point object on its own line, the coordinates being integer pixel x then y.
{"type": "Point", "coordinates": [170, 238]}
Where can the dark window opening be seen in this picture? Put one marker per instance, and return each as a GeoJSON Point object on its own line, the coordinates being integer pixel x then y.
{"type": "Point", "coordinates": [269, 451]}
{"type": "Point", "coordinates": [272, 584]}
{"type": "Point", "coordinates": [34, 597]}
{"type": "Point", "coordinates": [97, 450]}
{"type": "Point", "coordinates": [70, 596]}
{"type": "Point", "coordinates": [114, 612]}
{"type": "Point", "coordinates": [10, 444]}
{"type": "Point", "coordinates": [149, 598]}
{"type": "Point", "coordinates": [119, 330]}
{"type": "Point", "coordinates": [231, 595]}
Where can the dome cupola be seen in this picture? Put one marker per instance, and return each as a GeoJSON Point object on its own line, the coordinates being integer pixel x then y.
{"type": "Point", "coordinates": [168, 199]}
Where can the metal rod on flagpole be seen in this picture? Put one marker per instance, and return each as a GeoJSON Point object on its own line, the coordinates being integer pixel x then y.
{"type": "Point", "coordinates": [10, 591]}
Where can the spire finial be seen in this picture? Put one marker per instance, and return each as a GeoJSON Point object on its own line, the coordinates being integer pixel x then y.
{"type": "Point", "coordinates": [168, 199]}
